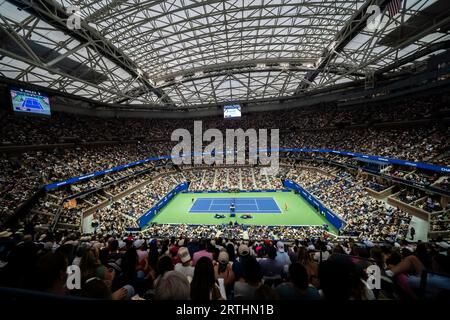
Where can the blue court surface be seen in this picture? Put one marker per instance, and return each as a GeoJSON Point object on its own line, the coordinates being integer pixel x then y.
{"type": "Point", "coordinates": [242, 205]}
{"type": "Point", "coordinates": [31, 103]}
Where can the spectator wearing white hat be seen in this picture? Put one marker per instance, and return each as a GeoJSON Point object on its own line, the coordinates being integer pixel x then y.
{"type": "Point", "coordinates": [282, 257]}
{"type": "Point", "coordinates": [243, 255]}
{"type": "Point", "coordinates": [185, 266]}
{"type": "Point", "coordinates": [141, 249]}
{"type": "Point", "coordinates": [223, 269]}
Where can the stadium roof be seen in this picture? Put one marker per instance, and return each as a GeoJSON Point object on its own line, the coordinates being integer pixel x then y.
{"type": "Point", "coordinates": [187, 53]}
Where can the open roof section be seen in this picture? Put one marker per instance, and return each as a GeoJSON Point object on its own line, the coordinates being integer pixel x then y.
{"type": "Point", "coordinates": [192, 53]}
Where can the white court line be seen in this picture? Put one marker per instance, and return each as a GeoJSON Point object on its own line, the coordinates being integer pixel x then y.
{"type": "Point", "coordinates": [279, 210]}
{"type": "Point", "coordinates": [213, 203]}
{"type": "Point", "coordinates": [256, 202]}
{"type": "Point", "coordinates": [210, 204]}
{"type": "Point", "coordinates": [239, 210]}
{"type": "Point", "coordinates": [195, 202]}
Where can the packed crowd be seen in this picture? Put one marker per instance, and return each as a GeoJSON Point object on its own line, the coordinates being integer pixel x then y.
{"type": "Point", "coordinates": [62, 127]}
{"type": "Point", "coordinates": [236, 231]}
{"type": "Point", "coordinates": [440, 221]}
{"type": "Point", "coordinates": [22, 174]}
{"type": "Point", "coordinates": [421, 200]}
{"type": "Point", "coordinates": [20, 178]}
{"type": "Point", "coordinates": [365, 216]}
{"type": "Point", "coordinates": [122, 214]}
{"type": "Point", "coordinates": [126, 267]}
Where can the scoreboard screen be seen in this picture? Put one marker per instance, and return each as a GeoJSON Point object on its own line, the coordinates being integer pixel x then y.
{"type": "Point", "coordinates": [232, 111]}
{"type": "Point", "coordinates": [28, 101]}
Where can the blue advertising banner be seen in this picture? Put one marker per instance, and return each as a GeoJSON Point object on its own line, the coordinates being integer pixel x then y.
{"type": "Point", "coordinates": [329, 215]}
{"type": "Point", "coordinates": [151, 213]}
{"type": "Point", "coordinates": [420, 165]}
{"type": "Point", "coordinates": [100, 173]}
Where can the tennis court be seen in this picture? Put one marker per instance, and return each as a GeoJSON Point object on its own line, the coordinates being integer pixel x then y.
{"type": "Point", "coordinates": [31, 103]}
{"type": "Point", "coordinates": [242, 205]}
{"type": "Point", "coordinates": [201, 208]}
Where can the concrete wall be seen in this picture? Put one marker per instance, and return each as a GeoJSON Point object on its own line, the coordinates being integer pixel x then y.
{"type": "Point", "coordinates": [412, 210]}
{"type": "Point", "coordinates": [380, 195]}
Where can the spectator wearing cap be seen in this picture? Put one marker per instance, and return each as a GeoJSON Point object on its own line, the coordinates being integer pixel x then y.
{"type": "Point", "coordinates": [114, 269]}
{"type": "Point", "coordinates": [223, 269]}
{"type": "Point", "coordinates": [6, 234]}
{"type": "Point", "coordinates": [141, 249]}
{"type": "Point", "coordinates": [243, 254]}
{"type": "Point", "coordinates": [243, 250]}
{"type": "Point", "coordinates": [108, 274]}
{"type": "Point", "coordinates": [97, 279]}
{"type": "Point", "coordinates": [185, 265]}
{"type": "Point", "coordinates": [282, 257]}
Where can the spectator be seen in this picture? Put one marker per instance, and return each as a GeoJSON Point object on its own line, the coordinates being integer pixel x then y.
{"type": "Point", "coordinates": [172, 286]}
{"type": "Point", "coordinates": [185, 267]}
{"type": "Point", "coordinates": [202, 253]}
{"type": "Point", "coordinates": [298, 287]}
{"type": "Point", "coordinates": [223, 269]}
{"type": "Point", "coordinates": [312, 268]}
{"type": "Point", "coordinates": [245, 288]}
{"type": "Point", "coordinates": [271, 268]}
{"type": "Point", "coordinates": [282, 257]}
{"type": "Point", "coordinates": [203, 285]}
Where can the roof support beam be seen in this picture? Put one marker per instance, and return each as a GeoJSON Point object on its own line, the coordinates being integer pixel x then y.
{"type": "Point", "coordinates": [419, 54]}
{"type": "Point", "coordinates": [56, 15]}
{"type": "Point", "coordinates": [351, 29]}
{"type": "Point", "coordinates": [66, 54]}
